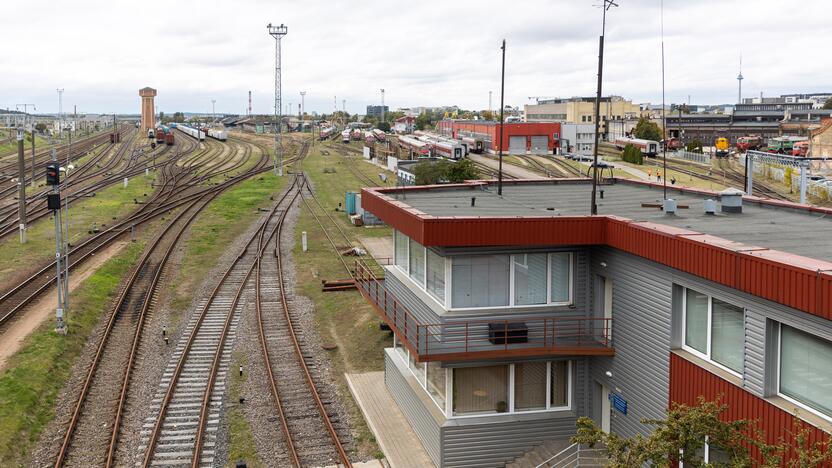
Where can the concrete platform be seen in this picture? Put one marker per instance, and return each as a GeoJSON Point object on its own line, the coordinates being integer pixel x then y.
{"type": "Point", "coordinates": [380, 248]}
{"type": "Point", "coordinates": [389, 426]}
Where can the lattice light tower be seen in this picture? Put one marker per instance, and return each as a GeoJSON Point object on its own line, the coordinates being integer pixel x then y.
{"type": "Point", "coordinates": [277, 32]}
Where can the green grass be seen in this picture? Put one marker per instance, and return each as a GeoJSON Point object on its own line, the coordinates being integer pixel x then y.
{"type": "Point", "coordinates": [241, 444]}
{"type": "Point", "coordinates": [35, 375]}
{"type": "Point", "coordinates": [114, 201]}
{"type": "Point", "coordinates": [343, 318]}
{"type": "Point", "coordinates": [228, 216]}
{"type": "Point", "coordinates": [10, 147]}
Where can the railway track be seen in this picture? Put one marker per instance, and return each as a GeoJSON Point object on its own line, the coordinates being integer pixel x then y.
{"type": "Point", "coordinates": [178, 187]}
{"type": "Point", "coordinates": [119, 345]}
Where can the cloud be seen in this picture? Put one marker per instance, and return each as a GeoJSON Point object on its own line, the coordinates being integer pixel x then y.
{"type": "Point", "coordinates": [424, 53]}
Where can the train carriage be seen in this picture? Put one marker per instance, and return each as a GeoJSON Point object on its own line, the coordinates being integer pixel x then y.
{"type": "Point", "coordinates": [648, 148]}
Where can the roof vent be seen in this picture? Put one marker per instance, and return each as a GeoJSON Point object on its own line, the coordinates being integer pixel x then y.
{"type": "Point", "coordinates": [710, 206]}
{"type": "Point", "coordinates": [670, 206]}
{"type": "Point", "coordinates": [731, 200]}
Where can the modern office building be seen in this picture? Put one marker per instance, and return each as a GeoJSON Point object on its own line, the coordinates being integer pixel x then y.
{"type": "Point", "coordinates": [376, 111]}
{"type": "Point", "coordinates": [515, 314]}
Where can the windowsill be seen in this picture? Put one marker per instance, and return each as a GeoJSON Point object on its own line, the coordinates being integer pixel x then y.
{"type": "Point", "coordinates": [801, 413]}
{"type": "Point", "coordinates": [709, 366]}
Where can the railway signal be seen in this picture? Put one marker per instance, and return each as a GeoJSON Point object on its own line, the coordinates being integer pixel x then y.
{"type": "Point", "coordinates": [53, 174]}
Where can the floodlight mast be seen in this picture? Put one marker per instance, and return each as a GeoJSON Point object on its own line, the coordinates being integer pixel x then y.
{"type": "Point", "coordinates": [277, 32]}
{"type": "Point", "coordinates": [606, 6]}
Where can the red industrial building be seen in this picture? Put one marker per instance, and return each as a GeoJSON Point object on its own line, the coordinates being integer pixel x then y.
{"type": "Point", "coordinates": [515, 314]}
{"type": "Point", "coordinates": [518, 137]}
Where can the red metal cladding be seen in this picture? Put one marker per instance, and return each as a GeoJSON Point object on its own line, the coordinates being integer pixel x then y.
{"type": "Point", "coordinates": [688, 382]}
{"type": "Point", "coordinates": [799, 282]}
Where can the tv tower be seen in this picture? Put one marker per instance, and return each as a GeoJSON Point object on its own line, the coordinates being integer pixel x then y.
{"type": "Point", "coordinates": [739, 81]}
{"type": "Point", "coordinates": [249, 103]}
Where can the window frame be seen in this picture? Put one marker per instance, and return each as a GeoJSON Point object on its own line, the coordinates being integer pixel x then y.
{"type": "Point", "coordinates": [447, 303]}
{"type": "Point", "coordinates": [707, 355]}
{"type": "Point", "coordinates": [511, 298]}
{"type": "Point", "coordinates": [807, 407]}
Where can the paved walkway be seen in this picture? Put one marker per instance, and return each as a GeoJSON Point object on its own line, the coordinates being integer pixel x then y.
{"type": "Point", "coordinates": [389, 426]}
{"type": "Point", "coordinates": [380, 248]}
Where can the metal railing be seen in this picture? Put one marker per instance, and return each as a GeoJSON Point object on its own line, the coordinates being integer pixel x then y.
{"type": "Point", "coordinates": [577, 455]}
{"type": "Point", "coordinates": [479, 338]}
{"type": "Point", "coordinates": [690, 156]}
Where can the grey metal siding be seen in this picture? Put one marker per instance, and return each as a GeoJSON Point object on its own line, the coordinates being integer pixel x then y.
{"type": "Point", "coordinates": [423, 424]}
{"type": "Point", "coordinates": [517, 145]}
{"type": "Point", "coordinates": [540, 144]}
{"type": "Point", "coordinates": [755, 353]}
{"type": "Point", "coordinates": [495, 441]}
{"type": "Point", "coordinates": [641, 305]}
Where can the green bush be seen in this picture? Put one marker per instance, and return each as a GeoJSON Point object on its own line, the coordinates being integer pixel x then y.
{"type": "Point", "coordinates": [632, 155]}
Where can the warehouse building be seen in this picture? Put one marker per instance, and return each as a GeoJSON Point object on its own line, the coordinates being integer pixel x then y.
{"type": "Point", "coordinates": [516, 314]}
{"type": "Point", "coordinates": [518, 137]}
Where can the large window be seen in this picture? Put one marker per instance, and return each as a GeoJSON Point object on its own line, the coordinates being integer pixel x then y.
{"type": "Point", "coordinates": [714, 330]}
{"type": "Point", "coordinates": [484, 280]}
{"type": "Point", "coordinates": [436, 275]}
{"type": "Point", "coordinates": [400, 251]}
{"type": "Point", "coordinates": [481, 390]}
{"type": "Point", "coordinates": [417, 262]}
{"type": "Point", "coordinates": [436, 382]}
{"type": "Point", "coordinates": [530, 279]}
{"type": "Point", "coordinates": [559, 384]}
{"type": "Point", "coordinates": [806, 369]}
{"type": "Point", "coordinates": [530, 386]}
{"type": "Point", "coordinates": [480, 280]}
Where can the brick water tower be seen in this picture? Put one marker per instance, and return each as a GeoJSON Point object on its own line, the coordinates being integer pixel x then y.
{"type": "Point", "coordinates": [148, 109]}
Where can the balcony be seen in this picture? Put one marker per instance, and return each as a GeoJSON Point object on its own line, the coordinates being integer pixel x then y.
{"type": "Point", "coordinates": [485, 339]}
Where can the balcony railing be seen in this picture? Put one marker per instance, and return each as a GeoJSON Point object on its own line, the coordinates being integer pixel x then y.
{"type": "Point", "coordinates": [485, 339]}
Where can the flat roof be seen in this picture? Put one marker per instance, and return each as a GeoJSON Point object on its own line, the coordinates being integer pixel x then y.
{"type": "Point", "coordinates": [788, 229]}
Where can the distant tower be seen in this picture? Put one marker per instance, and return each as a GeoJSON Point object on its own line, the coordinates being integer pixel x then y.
{"type": "Point", "coordinates": [249, 103]}
{"type": "Point", "coordinates": [148, 108]}
{"type": "Point", "coordinates": [739, 81]}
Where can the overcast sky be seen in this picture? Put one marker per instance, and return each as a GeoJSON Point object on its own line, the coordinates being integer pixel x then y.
{"type": "Point", "coordinates": [423, 53]}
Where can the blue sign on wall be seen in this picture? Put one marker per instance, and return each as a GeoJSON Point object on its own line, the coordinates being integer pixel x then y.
{"type": "Point", "coordinates": [618, 402]}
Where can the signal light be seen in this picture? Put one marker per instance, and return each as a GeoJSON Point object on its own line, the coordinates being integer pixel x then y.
{"type": "Point", "coordinates": [53, 174]}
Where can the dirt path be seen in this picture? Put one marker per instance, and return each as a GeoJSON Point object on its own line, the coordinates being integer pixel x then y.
{"type": "Point", "coordinates": [44, 308]}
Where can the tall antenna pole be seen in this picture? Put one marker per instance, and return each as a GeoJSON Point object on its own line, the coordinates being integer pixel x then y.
{"type": "Point", "coordinates": [606, 6]}
{"type": "Point", "coordinates": [502, 109]}
{"type": "Point", "coordinates": [302, 104]}
{"type": "Point", "coordinates": [213, 110]}
{"type": "Point", "coordinates": [664, 119]}
{"type": "Point", "coordinates": [249, 103]}
{"type": "Point", "coordinates": [489, 101]}
{"type": "Point", "coordinates": [277, 32]}
{"type": "Point", "coordinates": [739, 82]}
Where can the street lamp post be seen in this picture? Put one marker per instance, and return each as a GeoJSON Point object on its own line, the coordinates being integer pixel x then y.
{"type": "Point", "coordinates": [277, 32]}
{"type": "Point", "coordinates": [606, 6]}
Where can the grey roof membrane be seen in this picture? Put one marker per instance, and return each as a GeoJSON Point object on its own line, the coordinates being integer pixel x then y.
{"type": "Point", "coordinates": [787, 229]}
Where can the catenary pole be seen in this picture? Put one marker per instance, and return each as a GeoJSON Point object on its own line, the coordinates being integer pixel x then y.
{"type": "Point", "coordinates": [502, 110]}
{"type": "Point", "coordinates": [21, 184]}
{"type": "Point", "coordinates": [606, 6]}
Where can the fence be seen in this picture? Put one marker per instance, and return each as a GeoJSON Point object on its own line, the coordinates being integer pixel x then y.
{"type": "Point", "coordinates": [577, 455]}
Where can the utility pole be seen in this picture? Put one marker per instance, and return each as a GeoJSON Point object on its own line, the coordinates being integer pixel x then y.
{"type": "Point", "coordinates": [277, 32]}
{"type": "Point", "coordinates": [249, 103]}
{"type": "Point", "coordinates": [31, 131]}
{"type": "Point", "coordinates": [21, 184]}
{"type": "Point", "coordinates": [502, 110]}
{"type": "Point", "coordinates": [382, 105]}
{"type": "Point", "coordinates": [61, 110]}
{"type": "Point", "coordinates": [664, 118]}
{"type": "Point", "coordinates": [606, 6]}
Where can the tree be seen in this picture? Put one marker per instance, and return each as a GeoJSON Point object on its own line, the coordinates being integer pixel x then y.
{"type": "Point", "coordinates": [646, 129]}
{"type": "Point", "coordinates": [423, 121]}
{"type": "Point", "coordinates": [429, 173]}
{"type": "Point", "coordinates": [162, 117]}
{"type": "Point", "coordinates": [828, 104]}
{"type": "Point", "coordinates": [461, 171]}
{"type": "Point", "coordinates": [488, 115]}
{"type": "Point", "coordinates": [694, 146]}
{"type": "Point", "coordinates": [632, 154]}
{"type": "Point", "coordinates": [40, 127]}
{"type": "Point", "coordinates": [679, 437]}
{"type": "Point", "coordinates": [178, 117]}
{"type": "Point", "coordinates": [383, 126]}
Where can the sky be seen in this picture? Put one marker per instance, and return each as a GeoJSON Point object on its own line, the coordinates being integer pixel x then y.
{"type": "Point", "coordinates": [427, 53]}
